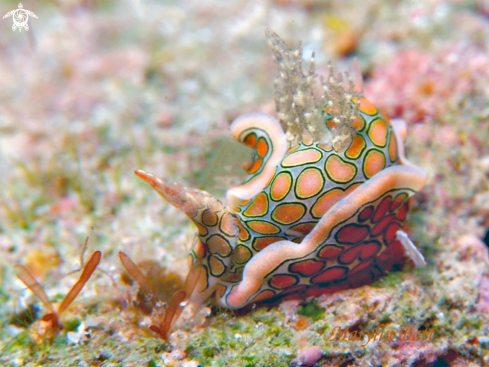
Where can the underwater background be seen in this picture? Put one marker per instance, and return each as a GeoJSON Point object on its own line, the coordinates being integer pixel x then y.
{"type": "Point", "coordinates": [97, 89]}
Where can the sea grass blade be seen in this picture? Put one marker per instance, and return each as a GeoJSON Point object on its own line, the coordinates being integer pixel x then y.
{"type": "Point", "coordinates": [135, 273]}
{"type": "Point", "coordinates": [36, 288]}
{"type": "Point", "coordinates": [84, 277]}
{"type": "Point", "coordinates": [173, 308]}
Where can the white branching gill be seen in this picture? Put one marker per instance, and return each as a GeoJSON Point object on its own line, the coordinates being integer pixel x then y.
{"type": "Point", "coordinates": [304, 117]}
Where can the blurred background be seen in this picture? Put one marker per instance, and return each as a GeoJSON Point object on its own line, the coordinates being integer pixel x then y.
{"type": "Point", "coordinates": [97, 89]}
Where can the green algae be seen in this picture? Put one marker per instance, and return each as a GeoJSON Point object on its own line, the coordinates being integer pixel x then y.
{"type": "Point", "coordinates": [312, 310]}
{"type": "Point", "coordinates": [426, 298]}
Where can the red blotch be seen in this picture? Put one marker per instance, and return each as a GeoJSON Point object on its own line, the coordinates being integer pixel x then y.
{"type": "Point", "coordinates": [361, 252]}
{"type": "Point", "coordinates": [360, 267]}
{"type": "Point", "coordinates": [303, 228]}
{"type": "Point", "coordinates": [398, 201]}
{"type": "Point", "coordinates": [402, 213]}
{"type": "Point", "coordinates": [263, 296]}
{"type": "Point", "coordinates": [352, 233]}
{"type": "Point", "coordinates": [366, 213]}
{"type": "Point", "coordinates": [379, 227]}
{"type": "Point", "coordinates": [282, 281]}
{"type": "Point", "coordinates": [392, 258]}
{"type": "Point", "coordinates": [330, 274]}
{"type": "Point", "coordinates": [330, 251]}
{"type": "Point", "coordinates": [390, 234]}
{"type": "Point", "coordinates": [382, 209]}
{"type": "Point", "coordinates": [291, 293]}
{"type": "Point", "coordinates": [307, 268]}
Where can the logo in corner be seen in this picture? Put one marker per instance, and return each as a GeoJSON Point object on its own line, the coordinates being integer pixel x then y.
{"type": "Point", "coordinates": [20, 17]}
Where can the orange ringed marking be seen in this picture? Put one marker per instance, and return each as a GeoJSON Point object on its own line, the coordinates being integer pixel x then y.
{"type": "Point", "coordinates": [374, 162]}
{"type": "Point", "coordinates": [367, 107]}
{"type": "Point", "coordinates": [259, 206]}
{"type": "Point", "coordinates": [302, 157]}
{"type": "Point", "coordinates": [339, 170]}
{"type": "Point", "coordinates": [281, 186]}
{"type": "Point", "coordinates": [263, 227]}
{"type": "Point", "coordinates": [377, 132]}
{"type": "Point", "coordinates": [309, 183]}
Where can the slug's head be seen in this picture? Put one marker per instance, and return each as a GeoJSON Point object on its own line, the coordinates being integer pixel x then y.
{"type": "Point", "coordinates": [218, 231]}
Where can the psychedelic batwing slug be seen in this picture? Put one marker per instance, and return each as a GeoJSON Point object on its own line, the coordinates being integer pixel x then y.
{"type": "Point", "coordinates": [310, 218]}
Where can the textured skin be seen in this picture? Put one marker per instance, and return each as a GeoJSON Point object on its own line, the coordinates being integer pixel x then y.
{"type": "Point", "coordinates": [306, 221]}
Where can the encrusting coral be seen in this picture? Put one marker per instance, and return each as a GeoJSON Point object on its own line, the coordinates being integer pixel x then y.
{"type": "Point", "coordinates": [316, 213]}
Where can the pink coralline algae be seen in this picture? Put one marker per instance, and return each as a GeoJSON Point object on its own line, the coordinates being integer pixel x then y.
{"type": "Point", "coordinates": [429, 85]}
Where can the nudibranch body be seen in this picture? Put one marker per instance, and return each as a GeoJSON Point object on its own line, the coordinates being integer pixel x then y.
{"type": "Point", "coordinates": [312, 217]}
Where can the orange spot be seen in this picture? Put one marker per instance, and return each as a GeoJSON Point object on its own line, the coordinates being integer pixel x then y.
{"type": "Point", "coordinates": [245, 202]}
{"type": "Point", "coordinates": [261, 242]}
{"type": "Point", "coordinates": [241, 254]}
{"type": "Point", "coordinates": [209, 218]}
{"type": "Point", "coordinates": [220, 290]}
{"type": "Point", "coordinates": [302, 322]}
{"type": "Point", "coordinates": [250, 140]}
{"type": "Point", "coordinates": [356, 148]}
{"type": "Point", "coordinates": [330, 198]}
{"type": "Point", "coordinates": [201, 229]}
{"type": "Point", "coordinates": [256, 166]}
{"type": "Point", "coordinates": [282, 281]}
{"type": "Point", "coordinates": [218, 245]}
{"type": "Point", "coordinates": [228, 225]}
{"type": "Point", "coordinates": [367, 107]}
{"type": "Point", "coordinates": [384, 116]}
{"type": "Point", "coordinates": [302, 157]}
{"type": "Point", "coordinates": [288, 213]}
{"type": "Point", "coordinates": [309, 183]}
{"type": "Point", "coordinates": [281, 186]}
{"type": "Point", "coordinates": [216, 265]}
{"type": "Point", "coordinates": [292, 149]}
{"type": "Point", "coordinates": [329, 251]}
{"type": "Point", "coordinates": [266, 294]}
{"type": "Point", "coordinates": [259, 206]}
{"type": "Point", "coordinates": [263, 227]}
{"type": "Point", "coordinates": [199, 249]}
{"type": "Point", "coordinates": [303, 228]}
{"type": "Point", "coordinates": [307, 267]}
{"type": "Point", "coordinates": [377, 132]}
{"type": "Point", "coordinates": [393, 148]}
{"type": "Point", "coordinates": [358, 123]}
{"type": "Point", "coordinates": [271, 177]}
{"type": "Point", "coordinates": [374, 162]}
{"type": "Point", "coordinates": [326, 147]}
{"type": "Point", "coordinates": [262, 147]}
{"type": "Point", "coordinates": [339, 170]}
{"type": "Point", "coordinates": [233, 277]}
{"type": "Point", "coordinates": [244, 235]}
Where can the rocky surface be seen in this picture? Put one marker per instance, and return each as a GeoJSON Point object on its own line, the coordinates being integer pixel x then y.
{"type": "Point", "coordinates": [97, 89]}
